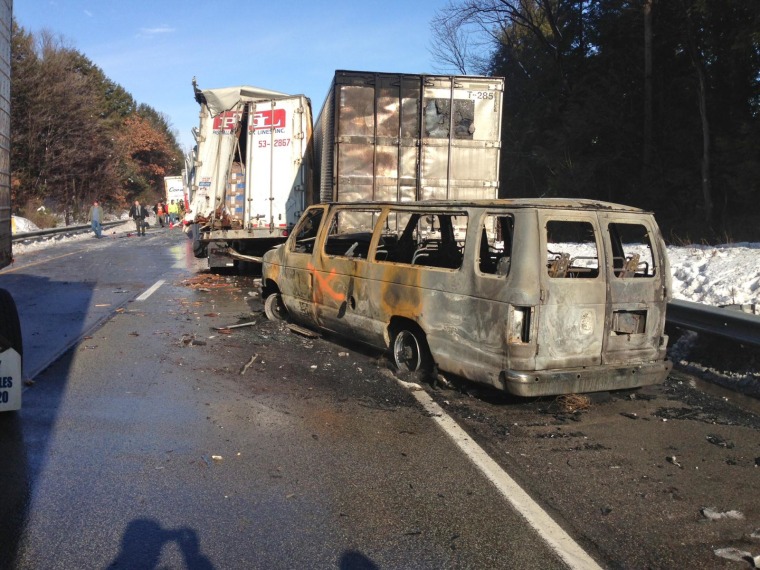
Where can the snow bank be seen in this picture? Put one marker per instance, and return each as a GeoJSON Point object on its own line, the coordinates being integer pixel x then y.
{"type": "Point", "coordinates": [716, 275]}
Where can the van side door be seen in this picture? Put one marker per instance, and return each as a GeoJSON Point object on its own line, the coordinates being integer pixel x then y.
{"type": "Point", "coordinates": [343, 301]}
{"type": "Point", "coordinates": [296, 281]}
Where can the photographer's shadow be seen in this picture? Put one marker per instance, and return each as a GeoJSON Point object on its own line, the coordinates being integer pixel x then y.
{"type": "Point", "coordinates": [144, 541]}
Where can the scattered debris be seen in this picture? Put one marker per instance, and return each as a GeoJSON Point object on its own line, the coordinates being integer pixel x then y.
{"type": "Point", "coordinates": [237, 326]}
{"type": "Point", "coordinates": [631, 415]}
{"type": "Point", "coordinates": [755, 534]}
{"type": "Point", "coordinates": [573, 402]}
{"type": "Point", "coordinates": [342, 354]}
{"type": "Point", "coordinates": [303, 331]}
{"type": "Point", "coordinates": [134, 333]}
{"type": "Point", "coordinates": [28, 382]}
{"type": "Point", "coordinates": [711, 514]}
{"type": "Point", "coordinates": [103, 305]}
{"type": "Point", "coordinates": [605, 510]}
{"type": "Point", "coordinates": [672, 459]}
{"type": "Point", "coordinates": [248, 364]}
{"type": "Point", "coordinates": [719, 441]}
{"type": "Point", "coordinates": [217, 458]}
{"type": "Point", "coordinates": [738, 556]}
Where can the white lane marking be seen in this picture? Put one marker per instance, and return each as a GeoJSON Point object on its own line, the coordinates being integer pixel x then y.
{"type": "Point", "coordinates": [150, 291]}
{"type": "Point", "coordinates": [556, 538]}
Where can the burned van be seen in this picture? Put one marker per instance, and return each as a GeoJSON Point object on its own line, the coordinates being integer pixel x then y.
{"type": "Point", "coordinates": [535, 297]}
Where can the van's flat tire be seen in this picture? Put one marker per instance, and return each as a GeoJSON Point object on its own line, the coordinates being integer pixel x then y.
{"type": "Point", "coordinates": [274, 308]}
{"type": "Point", "coordinates": [410, 351]}
{"type": "Point", "coordinates": [10, 326]}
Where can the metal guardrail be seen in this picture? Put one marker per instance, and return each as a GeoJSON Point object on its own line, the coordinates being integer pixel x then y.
{"type": "Point", "coordinates": [728, 323]}
{"type": "Point", "coordinates": [64, 230]}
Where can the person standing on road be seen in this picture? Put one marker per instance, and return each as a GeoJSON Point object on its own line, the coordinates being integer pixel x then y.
{"type": "Point", "coordinates": [159, 210]}
{"type": "Point", "coordinates": [138, 213]}
{"type": "Point", "coordinates": [173, 212]}
{"type": "Point", "coordinates": [96, 219]}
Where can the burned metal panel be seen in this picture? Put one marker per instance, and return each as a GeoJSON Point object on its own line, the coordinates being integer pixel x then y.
{"type": "Point", "coordinates": [573, 308]}
{"type": "Point", "coordinates": [637, 284]}
{"type": "Point", "coordinates": [397, 137]}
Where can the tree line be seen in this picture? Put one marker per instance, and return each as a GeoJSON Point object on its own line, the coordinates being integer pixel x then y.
{"type": "Point", "coordinates": [77, 136]}
{"type": "Point", "coordinates": [651, 103]}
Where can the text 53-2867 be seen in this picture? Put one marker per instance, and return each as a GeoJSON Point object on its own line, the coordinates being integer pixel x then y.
{"type": "Point", "coordinates": [276, 142]}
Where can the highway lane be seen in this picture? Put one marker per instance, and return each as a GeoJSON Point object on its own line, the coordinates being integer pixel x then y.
{"type": "Point", "coordinates": [144, 446]}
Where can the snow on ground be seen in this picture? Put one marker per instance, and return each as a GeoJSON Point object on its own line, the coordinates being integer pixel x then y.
{"type": "Point", "coordinates": [716, 275]}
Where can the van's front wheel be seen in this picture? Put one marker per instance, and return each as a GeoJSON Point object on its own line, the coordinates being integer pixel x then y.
{"type": "Point", "coordinates": [274, 309]}
{"type": "Point", "coordinates": [410, 350]}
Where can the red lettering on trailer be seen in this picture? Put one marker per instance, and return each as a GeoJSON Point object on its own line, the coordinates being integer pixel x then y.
{"type": "Point", "coordinates": [270, 119]}
{"type": "Point", "coordinates": [226, 121]}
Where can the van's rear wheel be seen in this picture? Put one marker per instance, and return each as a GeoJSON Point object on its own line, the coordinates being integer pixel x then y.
{"type": "Point", "coordinates": [410, 350]}
{"type": "Point", "coordinates": [274, 308]}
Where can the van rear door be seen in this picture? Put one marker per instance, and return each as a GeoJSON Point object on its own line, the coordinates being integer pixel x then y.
{"type": "Point", "coordinates": [573, 298]}
{"type": "Point", "coordinates": [637, 288]}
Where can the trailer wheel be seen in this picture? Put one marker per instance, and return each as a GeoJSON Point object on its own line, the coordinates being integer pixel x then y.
{"type": "Point", "coordinates": [10, 326]}
{"type": "Point", "coordinates": [200, 249]}
{"type": "Point", "coordinates": [410, 350]}
{"type": "Point", "coordinates": [274, 309]}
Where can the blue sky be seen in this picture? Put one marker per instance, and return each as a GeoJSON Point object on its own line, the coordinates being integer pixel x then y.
{"type": "Point", "coordinates": [153, 48]}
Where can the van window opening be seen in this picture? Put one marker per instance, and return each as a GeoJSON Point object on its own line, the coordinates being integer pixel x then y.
{"type": "Point", "coordinates": [631, 251]}
{"type": "Point", "coordinates": [306, 231]}
{"type": "Point", "coordinates": [571, 250]}
{"type": "Point", "coordinates": [496, 245]}
{"type": "Point", "coordinates": [351, 233]}
{"type": "Point", "coordinates": [426, 239]}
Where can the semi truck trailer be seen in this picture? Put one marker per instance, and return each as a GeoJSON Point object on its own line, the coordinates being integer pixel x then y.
{"type": "Point", "coordinates": [400, 137]}
{"type": "Point", "coordinates": [252, 172]}
{"type": "Point", "coordinates": [11, 349]}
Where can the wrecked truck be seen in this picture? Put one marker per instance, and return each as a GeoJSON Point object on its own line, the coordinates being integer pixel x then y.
{"type": "Point", "coordinates": [532, 296]}
{"type": "Point", "coordinates": [252, 172]}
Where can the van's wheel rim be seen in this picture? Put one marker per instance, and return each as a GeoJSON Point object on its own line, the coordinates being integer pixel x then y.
{"type": "Point", "coordinates": [274, 309]}
{"type": "Point", "coordinates": [407, 354]}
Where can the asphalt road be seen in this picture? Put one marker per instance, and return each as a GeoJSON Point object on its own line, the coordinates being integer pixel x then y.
{"type": "Point", "coordinates": [143, 446]}
{"type": "Point", "coordinates": [150, 439]}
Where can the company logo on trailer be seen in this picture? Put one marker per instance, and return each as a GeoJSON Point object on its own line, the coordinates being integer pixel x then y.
{"type": "Point", "coordinates": [226, 122]}
{"type": "Point", "coordinates": [271, 119]}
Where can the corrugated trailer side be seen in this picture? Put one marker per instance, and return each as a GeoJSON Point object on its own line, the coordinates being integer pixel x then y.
{"type": "Point", "coordinates": [401, 137]}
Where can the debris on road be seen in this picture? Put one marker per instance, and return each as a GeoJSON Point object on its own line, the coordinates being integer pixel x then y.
{"type": "Point", "coordinates": [719, 441]}
{"type": "Point", "coordinates": [237, 326]}
{"type": "Point", "coordinates": [217, 458]}
{"type": "Point", "coordinates": [573, 402]}
{"type": "Point", "coordinates": [672, 459]}
{"type": "Point", "coordinates": [630, 415]}
{"type": "Point", "coordinates": [711, 514]}
{"type": "Point", "coordinates": [738, 556]}
{"type": "Point", "coordinates": [248, 364]}
{"type": "Point", "coordinates": [303, 331]}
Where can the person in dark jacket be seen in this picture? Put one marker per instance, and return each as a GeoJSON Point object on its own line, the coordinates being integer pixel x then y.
{"type": "Point", "coordinates": [138, 213]}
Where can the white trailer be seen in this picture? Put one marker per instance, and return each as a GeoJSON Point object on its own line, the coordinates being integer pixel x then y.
{"type": "Point", "coordinates": [10, 330]}
{"type": "Point", "coordinates": [174, 189]}
{"type": "Point", "coordinates": [252, 172]}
